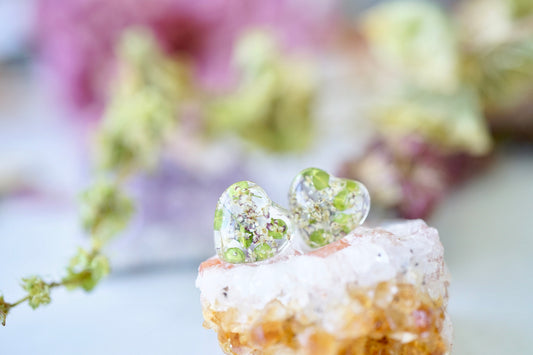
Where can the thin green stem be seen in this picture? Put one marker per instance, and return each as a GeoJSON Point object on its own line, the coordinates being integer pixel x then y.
{"type": "Point", "coordinates": [22, 300]}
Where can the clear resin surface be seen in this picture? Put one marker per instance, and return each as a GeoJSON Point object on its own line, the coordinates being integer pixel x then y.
{"type": "Point", "coordinates": [325, 208]}
{"type": "Point", "coordinates": [248, 226]}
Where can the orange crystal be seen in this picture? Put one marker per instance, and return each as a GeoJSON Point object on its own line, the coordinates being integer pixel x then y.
{"type": "Point", "coordinates": [390, 319]}
{"type": "Point", "coordinates": [377, 291]}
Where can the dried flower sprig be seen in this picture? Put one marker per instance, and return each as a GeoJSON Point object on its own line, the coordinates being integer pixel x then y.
{"type": "Point", "coordinates": [142, 111]}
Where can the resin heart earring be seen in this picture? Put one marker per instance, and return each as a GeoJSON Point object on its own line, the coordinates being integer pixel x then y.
{"type": "Point", "coordinates": [248, 226]}
{"type": "Point", "coordinates": [325, 208]}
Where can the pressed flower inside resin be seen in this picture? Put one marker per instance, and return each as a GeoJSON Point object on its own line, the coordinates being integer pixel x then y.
{"type": "Point", "coordinates": [248, 226]}
{"type": "Point", "coordinates": [325, 208]}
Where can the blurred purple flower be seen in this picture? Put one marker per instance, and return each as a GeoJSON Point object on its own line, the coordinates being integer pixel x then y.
{"type": "Point", "coordinates": [411, 175]}
{"type": "Point", "coordinates": [181, 202]}
{"type": "Point", "coordinates": [76, 38]}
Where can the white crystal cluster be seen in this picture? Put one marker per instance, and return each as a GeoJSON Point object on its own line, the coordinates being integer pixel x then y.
{"type": "Point", "coordinates": [315, 284]}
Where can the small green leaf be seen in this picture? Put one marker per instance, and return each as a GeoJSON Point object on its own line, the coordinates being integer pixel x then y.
{"type": "Point", "coordinates": [234, 256]}
{"type": "Point", "coordinates": [38, 291]}
{"type": "Point", "coordinates": [238, 189]}
{"type": "Point", "coordinates": [341, 200]}
{"type": "Point", "coordinates": [342, 218]}
{"type": "Point", "coordinates": [263, 251]}
{"type": "Point", "coordinates": [100, 268]}
{"type": "Point", "coordinates": [278, 228]}
{"type": "Point", "coordinates": [245, 241]}
{"type": "Point", "coordinates": [317, 238]}
{"type": "Point", "coordinates": [319, 177]}
{"type": "Point", "coordinates": [352, 186]}
{"type": "Point", "coordinates": [105, 211]}
{"type": "Point", "coordinates": [246, 237]}
{"type": "Point", "coordinates": [242, 184]}
{"type": "Point", "coordinates": [219, 214]}
{"type": "Point", "coordinates": [344, 221]}
{"type": "Point", "coordinates": [86, 270]}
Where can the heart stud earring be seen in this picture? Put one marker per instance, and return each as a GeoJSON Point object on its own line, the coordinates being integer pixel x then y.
{"type": "Point", "coordinates": [325, 208]}
{"type": "Point", "coordinates": [249, 227]}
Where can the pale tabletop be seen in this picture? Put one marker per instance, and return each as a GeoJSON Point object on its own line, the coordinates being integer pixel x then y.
{"type": "Point", "coordinates": [486, 227]}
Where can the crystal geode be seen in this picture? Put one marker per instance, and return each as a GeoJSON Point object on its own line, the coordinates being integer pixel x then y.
{"type": "Point", "coordinates": [376, 291]}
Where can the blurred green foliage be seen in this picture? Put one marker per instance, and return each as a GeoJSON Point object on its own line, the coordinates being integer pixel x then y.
{"type": "Point", "coordinates": [143, 108]}
{"type": "Point", "coordinates": [86, 269]}
{"type": "Point", "coordinates": [38, 291]}
{"type": "Point", "coordinates": [105, 210]}
{"type": "Point", "coordinates": [272, 105]}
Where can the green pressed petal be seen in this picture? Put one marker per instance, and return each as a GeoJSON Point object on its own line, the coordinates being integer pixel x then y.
{"type": "Point", "coordinates": [234, 256]}
{"type": "Point", "coordinates": [321, 180]}
{"type": "Point", "coordinates": [341, 200]}
{"type": "Point", "coordinates": [246, 241]}
{"type": "Point", "coordinates": [86, 270]}
{"type": "Point", "coordinates": [238, 187]}
{"type": "Point", "coordinates": [280, 228]}
{"type": "Point", "coordinates": [281, 223]}
{"type": "Point", "coordinates": [105, 210]}
{"type": "Point", "coordinates": [38, 291]}
{"type": "Point", "coordinates": [344, 221]}
{"type": "Point", "coordinates": [342, 218]}
{"type": "Point", "coordinates": [317, 238]}
{"type": "Point", "coordinates": [219, 214]}
{"type": "Point", "coordinates": [319, 177]}
{"type": "Point", "coordinates": [275, 235]}
{"type": "Point", "coordinates": [242, 184]}
{"type": "Point", "coordinates": [352, 186]}
{"type": "Point", "coordinates": [262, 251]}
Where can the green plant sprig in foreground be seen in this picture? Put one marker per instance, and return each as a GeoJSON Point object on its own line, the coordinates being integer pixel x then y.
{"type": "Point", "coordinates": [140, 114]}
{"type": "Point", "coordinates": [106, 212]}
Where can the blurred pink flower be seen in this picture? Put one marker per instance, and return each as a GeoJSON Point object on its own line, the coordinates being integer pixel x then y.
{"type": "Point", "coordinates": [411, 175]}
{"type": "Point", "coordinates": [76, 38]}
